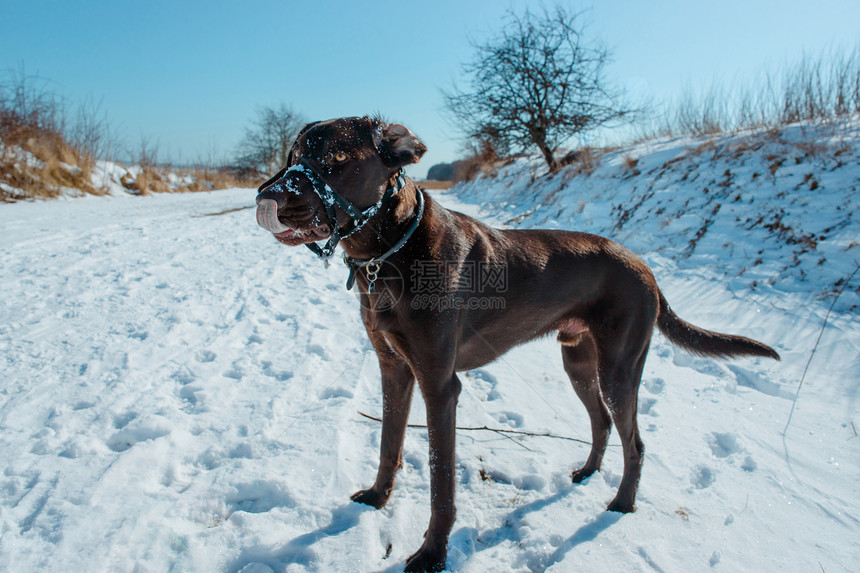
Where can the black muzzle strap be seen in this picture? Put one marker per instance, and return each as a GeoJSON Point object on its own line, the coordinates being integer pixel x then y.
{"type": "Point", "coordinates": [372, 266]}
{"type": "Point", "coordinates": [331, 199]}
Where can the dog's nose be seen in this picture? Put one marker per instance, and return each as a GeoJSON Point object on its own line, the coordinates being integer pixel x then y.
{"type": "Point", "coordinates": [272, 193]}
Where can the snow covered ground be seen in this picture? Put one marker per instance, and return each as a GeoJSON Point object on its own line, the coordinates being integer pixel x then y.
{"type": "Point", "coordinates": [180, 393]}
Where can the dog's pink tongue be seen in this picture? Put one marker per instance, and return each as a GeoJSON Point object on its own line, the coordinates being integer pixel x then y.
{"type": "Point", "coordinates": [267, 216]}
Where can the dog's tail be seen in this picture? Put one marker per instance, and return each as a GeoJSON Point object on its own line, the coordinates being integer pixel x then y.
{"type": "Point", "coordinates": [704, 342]}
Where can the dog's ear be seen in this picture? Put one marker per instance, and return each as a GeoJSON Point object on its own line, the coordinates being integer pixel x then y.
{"type": "Point", "coordinates": [280, 173]}
{"type": "Point", "coordinates": [397, 145]}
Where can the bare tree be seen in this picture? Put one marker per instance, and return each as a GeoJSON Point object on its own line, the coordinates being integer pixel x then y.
{"type": "Point", "coordinates": [266, 142]}
{"type": "Point", "coordinates": [538, 83]}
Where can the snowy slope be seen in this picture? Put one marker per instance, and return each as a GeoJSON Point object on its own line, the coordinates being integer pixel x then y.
{"type": "Point", "coordinates": [57, 179]}
{"type": "Point", "coordinates": [181, 393]}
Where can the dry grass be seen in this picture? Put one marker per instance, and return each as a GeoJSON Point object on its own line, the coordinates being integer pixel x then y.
{"type": "Point", "coordinates": [37, 159]}
{"type": "Point", "coordinates": [815, 88]}
{"type": "Point", "coordinates": [629, 163]}
{"type": "Point", "coordinates": [428, 184]}
{"type": "Point", "coordinates": [485, 161]}
{"type": "Point", "coordinates": [583, 161]}
{"type": "Point", "coordinates": [148, 181]}
{"type": "Point", "coordinates": [48, 149]}
{"type": "Point", "coordinates": [155, 179]}
{"type": "Point", "coordinates": [213, 178]}
{"type": "Point", "coordinates": [36, 163]}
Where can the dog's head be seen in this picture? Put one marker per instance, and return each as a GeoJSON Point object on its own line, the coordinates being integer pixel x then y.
{"type": "Point", "coordinates": [355, 156]}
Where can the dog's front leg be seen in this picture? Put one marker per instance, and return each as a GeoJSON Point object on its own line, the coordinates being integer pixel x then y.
{"type": "Point", "coordinates": [440, 397]}
{"type": "Point", "coordinates": [397, 385]}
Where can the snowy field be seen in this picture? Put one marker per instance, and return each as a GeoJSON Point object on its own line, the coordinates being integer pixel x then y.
{"type": "Point", "coordinates": [181, 393]}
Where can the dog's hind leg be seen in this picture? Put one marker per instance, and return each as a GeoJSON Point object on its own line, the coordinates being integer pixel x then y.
{"type": "Point", "coordinates": [397, 385]}
{"type": "Point", "coordinates": [620, 373]}
{"type": "Point", "coordinates": [579, 357]}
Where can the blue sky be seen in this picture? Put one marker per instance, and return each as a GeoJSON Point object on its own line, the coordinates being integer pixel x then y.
{"type": "Point", "coordinates": [190, 74]}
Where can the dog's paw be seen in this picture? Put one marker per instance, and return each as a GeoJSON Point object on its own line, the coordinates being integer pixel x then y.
{"type": "Point", "coordinates": [426, 559]}
{"type": "Point", "coordinates": [620, 506]}
{"type": "Point", "coordinates": [581, 475]}
{"type": "Point", "coordinates": [370, 497]}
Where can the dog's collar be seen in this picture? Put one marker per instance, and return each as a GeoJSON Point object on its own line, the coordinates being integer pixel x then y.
{"type": "Point", "coordinates": [331, 198]}
{"type": "Point", "coordinates": [372, 265]}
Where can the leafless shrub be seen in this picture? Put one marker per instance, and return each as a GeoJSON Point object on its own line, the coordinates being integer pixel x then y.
{"type": "Point", "coordinates": [28, 106]}
{"type": "Point", "coordinates": [91, 132]}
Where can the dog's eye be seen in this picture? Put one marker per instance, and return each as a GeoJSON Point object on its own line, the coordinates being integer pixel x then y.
{"type": "Point", "coordinates": [340, 156]}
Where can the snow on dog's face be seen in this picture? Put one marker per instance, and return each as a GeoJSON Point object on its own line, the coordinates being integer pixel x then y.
{"type": "Point", "coordinates": [356, 156]}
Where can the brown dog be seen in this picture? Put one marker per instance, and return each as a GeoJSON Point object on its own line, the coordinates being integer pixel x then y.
{"type": "Point", "coordinates": [344, 182]}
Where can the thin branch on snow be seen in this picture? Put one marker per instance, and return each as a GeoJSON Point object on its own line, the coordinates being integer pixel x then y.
{"type": "Point", "coordinates": [500, 431]}
{"type": "Point", "coordinates": [815, 347]}
{"type": "Point", "coordinates": [226, 211]}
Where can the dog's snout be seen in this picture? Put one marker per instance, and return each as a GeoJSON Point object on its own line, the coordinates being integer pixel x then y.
{"type": "Point", "coordinates": [273, 193]}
